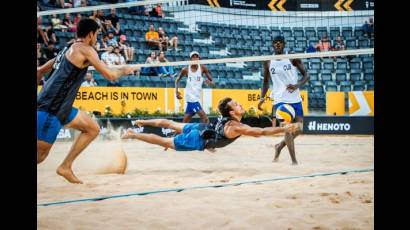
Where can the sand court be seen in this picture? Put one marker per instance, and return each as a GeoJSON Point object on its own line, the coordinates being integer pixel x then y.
{"type": "Point", "coordinates": [326, 202]}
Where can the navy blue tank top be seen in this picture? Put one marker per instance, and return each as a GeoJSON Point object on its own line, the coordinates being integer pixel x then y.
{"type": "Point", "coordinates": [214, 135]}
{"type": "Point", "coordinates": [59, 91]}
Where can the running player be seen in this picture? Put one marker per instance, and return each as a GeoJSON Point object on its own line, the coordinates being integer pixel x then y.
{"type": "Point", "coordinates": [285, 90]}
{"type": "Point", "coordinates": [193, 89]}
{"type": "Point", "coordinates": [55, 101]}
{"type": "Point", "coordinates": [201, 136]}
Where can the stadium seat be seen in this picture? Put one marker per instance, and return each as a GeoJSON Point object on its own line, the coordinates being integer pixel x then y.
{"type": "Point", "coordinates": [322, 31]}
{"type": "Point", "coordinates": [341, 75]}
{"type": "Point", "coordinates": [334, 32]}
{"type": "Point", "coordinates": [347, 32]}
{"type": "Point", "coordinates": [314, 77]}
{"type": "Point", "coordinates": [328, 64]}
{"type": "Point", "coordinates": [351, 44]}
{"type": "Point", "coordinates": [364, 43]}
{"type": "Point", "coordinates": [341, 65]}
{"type": "Point", "coordinates": [370, 85]}
{"type": "Point", "coordinates": [326, 77]}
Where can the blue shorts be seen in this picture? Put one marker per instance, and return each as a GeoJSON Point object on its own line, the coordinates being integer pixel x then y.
{"type": "Point", "coordinates": [296, 106]}
{"type": "Point", "coordinates": [48, 125]}
{"type": "Point", "coordinates": [190, 139]}
{"type": "Point", "coordinates": [192, 108]}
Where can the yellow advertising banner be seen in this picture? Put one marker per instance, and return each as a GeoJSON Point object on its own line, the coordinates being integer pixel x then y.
{"type": "Point", "coordinates": [250, 99]}
{"type": "Point", "coordinates": [127, 99]}
{"type": "Point", "coordinates": [120, 99]}
{"type": "Point", "coordinates": [361, 103]}
{"type": "Point", "coordinates": [335, 103]}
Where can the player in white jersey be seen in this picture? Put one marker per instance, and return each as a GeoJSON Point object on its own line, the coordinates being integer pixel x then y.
{"type": "Point", "coordinates": [285, 90]}
{"type": "Point", "coordinates": [193, 89]}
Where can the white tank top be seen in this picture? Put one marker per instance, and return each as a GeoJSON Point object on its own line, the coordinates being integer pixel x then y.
{"type": "Point", "coordinates": [193, 86]}
{"type": "Point", "coordinates": [283, 73]}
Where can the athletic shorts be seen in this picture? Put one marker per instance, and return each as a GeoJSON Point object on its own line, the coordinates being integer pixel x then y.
{"type": "Point", "coordinates": [192, 108]}
{"type": "Point", "coordinates": [190, 139]}
{"type": "Point", "coordinates": [48, 125]}
{"type": "Point", "coordinates": [296, 106]}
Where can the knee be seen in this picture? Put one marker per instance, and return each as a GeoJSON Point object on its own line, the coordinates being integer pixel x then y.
{"type": "Point", "coordinates": [94, 130]}
{"type": "Point", "coordinates": [41, 155]}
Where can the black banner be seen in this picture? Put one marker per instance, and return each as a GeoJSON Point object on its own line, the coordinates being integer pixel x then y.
{"type": "Point", "coordinates": [338, 125]}
{"type": "Point", "coordinates": [290, 5]}
{"type": "Point", "coordinates": [311, 125]}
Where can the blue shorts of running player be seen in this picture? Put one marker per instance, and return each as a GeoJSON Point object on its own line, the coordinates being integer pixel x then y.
{"type": "Point", "coordinates": [48, 125]}
{"type": "Point", "coordinates": [192, 108]}
{"type": "Point", "coordinates": [296, 106]}
{"type": "Point", "coordinates": [190, 139]}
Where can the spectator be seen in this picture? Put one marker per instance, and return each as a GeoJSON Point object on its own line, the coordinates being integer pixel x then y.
{"type": "Point", "coordinates": [103, 45]}
{"type": "Point", "coordinates": [164, 70]}
{"type": "Point", "coordinates": [157, 11]}
{"type": "Point", "coordinates": [41, 36]}
{"type": "Point", "coordinates": [89, 80]}
{"type": "Point", "coordinates": [67, 22]}
{"type": "Point", "coordinates": [101, 17]}
{"type": "Point", "coordinates": [94, 16]}
{"type": "Point", "coordinates": [79, 3]}
{"type": "Point", "coordinates": [339, 44]}
{"type": "Point", "coordinates": [368, 28]}
{"type": "Point", "coordinates": [324, 44]}
{"type": "Point", "coordinates": [152, 38]}
{"type": "Point", "coordinates": [40, 55]}
{"type": "Point", "coordinates": [152, 59]}
{"type": "Point", "coordinates": [62, 4]}
{"type": "Point", "coordinates": [106, 57]}
{"type": "Point", "coordinates": [164, 39]}
{"type": "Point", "coordinates": [113, 22]}
{"type": "Point", "coordinates": [51, 34]}
{"type": "Point", "coordinates": [51, 52]}
{"type": "Point", "coordinates": [77, 19]}
{"type": "Point", "coordinates": [127, 49]}
{"type": "Point", "coordinates": [57, 23]}
{"type": "Point", "coordinates": [117, 57]}
{"type": "Point", "coordinates": [111, 39]}
{"type": "Point", "coordinates": [310, 49]}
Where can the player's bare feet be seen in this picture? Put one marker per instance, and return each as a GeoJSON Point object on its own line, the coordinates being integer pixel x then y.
{"type": "Point", "coordinates": [68, 174]}
{"type": "Point", "coordinates": [277, 151]}
{"type": "Point", "coordinates": [129, 134]}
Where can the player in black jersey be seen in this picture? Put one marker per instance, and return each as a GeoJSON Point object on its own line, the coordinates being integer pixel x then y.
{"type": "Point", "coordinates": [200, 136]}
{"type": "Point", "coordinates": [55, 100]}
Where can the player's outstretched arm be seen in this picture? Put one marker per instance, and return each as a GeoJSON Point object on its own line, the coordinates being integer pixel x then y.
{"type": "Point", "coordinates": [110, 74]}
{"type": "Point", "coordinates": [247, 130]}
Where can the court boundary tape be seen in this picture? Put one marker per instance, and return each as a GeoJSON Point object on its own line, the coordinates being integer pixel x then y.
{"type": "Point", "coordinates": [203, 187]}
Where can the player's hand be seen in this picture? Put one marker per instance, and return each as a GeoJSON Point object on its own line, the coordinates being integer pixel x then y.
{"type": "Point", "coordinates": [179, 96]}
{"type": "Point", "coordinates": [210, 83]}
{"type": "Point", "coordinates": [138, 123]}
{"type": "Point", "coordinates": [127, 70]}
{"type": "Point", "coordinates": [260, 104]}
{"type": "Point", "coordinates": [291, 88]}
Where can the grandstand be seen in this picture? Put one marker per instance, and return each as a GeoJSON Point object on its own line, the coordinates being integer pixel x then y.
{"type": "Point", "coordinates": [217, 40]}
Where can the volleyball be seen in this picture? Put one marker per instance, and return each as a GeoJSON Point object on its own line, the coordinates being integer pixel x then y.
{"type": "Point", "coordinates": [285, 113]}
